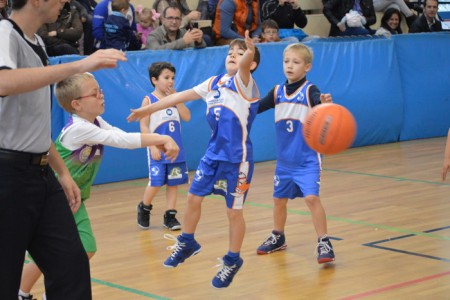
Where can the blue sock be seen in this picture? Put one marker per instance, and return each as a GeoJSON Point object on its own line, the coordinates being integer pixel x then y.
{"type": "Point", "coordinates": [234, 256]}
{"type": "Point", "coordinates": [187, 236]}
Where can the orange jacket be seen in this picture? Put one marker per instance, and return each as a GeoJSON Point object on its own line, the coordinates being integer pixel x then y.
{"type": "Point", "coordinates": [239, 18]}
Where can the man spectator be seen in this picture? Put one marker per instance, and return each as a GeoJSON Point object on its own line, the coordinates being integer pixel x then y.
{"type": "Point", "coordinates": [427, 22]}
{"type": "Point", "coordinates": [349, 17]}
{"type": "Point", "coordinates": [286, 13]}
{"type": "Point", "coordinates": [61, 37]}
{"type": "Point", "coordinates": [169, 35]}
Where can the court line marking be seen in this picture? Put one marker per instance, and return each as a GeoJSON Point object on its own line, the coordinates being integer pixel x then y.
{"type": "Point", "coordinates": [395, 286]}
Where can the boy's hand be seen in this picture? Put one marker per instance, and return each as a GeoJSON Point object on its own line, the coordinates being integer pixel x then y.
{"type": "Point", "coordinates": [326, 98]}
{"type": "Point", "coordinates": [249, 42]}
{"type": "Point", "coordinates": [170, 149]}
{"type": "Point", "coordinates": [72, 192]}
{"type": "Point", "coordinates": [155, 153]}
{"type": "Point", "coordinates": [138, 114]}
{"type": "Point", "coordinates": [101, 59]}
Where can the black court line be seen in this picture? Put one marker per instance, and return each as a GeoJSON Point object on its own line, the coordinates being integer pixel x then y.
{"type": "Point", "coordinates": [375, 245]}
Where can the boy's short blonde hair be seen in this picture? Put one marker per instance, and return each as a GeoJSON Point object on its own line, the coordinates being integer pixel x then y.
{"type": "Point", "coordinates": [302, 49]}
{"type": "Point", "coordinates": [69, 89]}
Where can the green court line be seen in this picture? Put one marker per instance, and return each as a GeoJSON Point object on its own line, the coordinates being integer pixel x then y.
{"type": "Point", "coordinates": [127, 289]}
{"type": "Point", "coordinates": [388, 177]}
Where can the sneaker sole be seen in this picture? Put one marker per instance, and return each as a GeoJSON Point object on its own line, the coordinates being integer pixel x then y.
{"type": "Point", "coordinates": [171, 267]}
{"type": "Point", "coordinates": [173, 228]}
{"type": "Point", "coordinates": [325, 260]}
{"type": "Point", "coordinates": [260, 252]}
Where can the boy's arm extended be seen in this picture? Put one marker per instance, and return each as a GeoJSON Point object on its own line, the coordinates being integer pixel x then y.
{"type": "Point", "coordinates": [247, 59]}
{"type": "Point", "coordinates": [446, 165]}
{"type": "Point", "coordinates": [171, 100]}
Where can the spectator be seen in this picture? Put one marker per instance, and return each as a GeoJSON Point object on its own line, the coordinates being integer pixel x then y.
{"type": "Point", "coordinates": [383, 5]}
{"type": "Point", "coordinates": [3, 9]}
{"type": "Point", "coordinates": [286, 13]}
{"type": "Point", "coordinates": [61, 37]}
{"type": "Point", "coordinates": [390, 23]}
{"type": "Point", "coordinates": [88, 37]}
{"type": "Point", "coordinates": [148, 20]}
{"type": "Point", "coordinates": [233, 17]}
{"type": "Point", "coordinates": [427, 22]}
{"type": "Point", "coordinates": [187, 14]}
{"type": "Point", "coordinates": [336, 10]}
{"type": "Point", "coordinates": [101, 12]}
{"type": "Point", "coordinates": [270, 33]}
{"type": "Point", "coordinates": [118, 32]}
{"type": "Point", "coordinates": [169, 35]}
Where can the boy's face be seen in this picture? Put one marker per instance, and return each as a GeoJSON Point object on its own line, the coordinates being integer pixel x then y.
{"type": "Point", "coordinates": [270, 35]}
{"type": "Point", "coordinates": [91, 103]}
{"type": "Point", "coordinates": [234, 56]}
{"type": "Point", "coordinates": [294, 66]}
{"type": "Point", "coordinates": [165, 82]}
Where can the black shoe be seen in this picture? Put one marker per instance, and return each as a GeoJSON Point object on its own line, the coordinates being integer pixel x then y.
{"type": "Point", "coordinates": [29, 297]}
{"type": "Point", "coordinates": [143, 215]}
{"type": "Point", "coordinates": [170, 221]}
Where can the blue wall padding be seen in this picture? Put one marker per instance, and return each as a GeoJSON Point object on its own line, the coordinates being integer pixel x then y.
{"type": "Point", "coordinates": [397, 89]}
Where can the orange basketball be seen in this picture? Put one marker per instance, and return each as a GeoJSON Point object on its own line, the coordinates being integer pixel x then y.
{"type": "Point", "coordinates": [329, 128]}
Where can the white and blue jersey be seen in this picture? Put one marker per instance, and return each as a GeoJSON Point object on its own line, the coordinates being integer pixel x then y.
{"type": "Point", "coordinates": [166, 122]}
{"type": "Point", "coordinates": [290, 114]}
{"type": "Point", "coordinates": [231, 109]}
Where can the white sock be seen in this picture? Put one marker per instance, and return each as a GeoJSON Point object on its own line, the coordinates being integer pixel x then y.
{"type": "Point", "coordinates": [22, 293]}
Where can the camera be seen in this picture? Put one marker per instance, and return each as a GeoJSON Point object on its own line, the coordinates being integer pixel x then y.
{"type": "Point", "coordinates": [194, 24]}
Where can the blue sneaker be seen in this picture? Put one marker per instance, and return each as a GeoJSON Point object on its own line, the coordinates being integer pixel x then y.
{"type": "Point", "coordinates": [225, 276]}
{"type": "Point", "coordinates": [324, 250]}
{"type": "Point", "coordinates": [275, 242]}
{"type": "Point", "coordinates": [181, 250]}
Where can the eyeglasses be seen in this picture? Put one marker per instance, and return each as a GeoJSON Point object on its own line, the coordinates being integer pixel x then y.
{"type": "Point", "coordinates": [97, 95]}
{"type": "Point", "coordinates": [271, 32]}
{"type": "Point", "coordinates": [178, 19]}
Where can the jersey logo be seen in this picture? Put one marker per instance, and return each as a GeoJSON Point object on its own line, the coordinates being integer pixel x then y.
{"type": "Point", "coordinates": [276, 180]}
{"type": "Point", "coordinates": [221, 185]}
{"type": "Point", "coordinates": [175, 174]}
{"type": "Point", "coordinates": [85, 153]}
{"type": "Point", "coordinates": [242, 185]}
{"type": "Point", "coordinates": [198, 175]}
{"type": "Point", "coordinates": [217, 95]}
{"type": "Point", "coordinates": [169, 111]}
{"type": "Point", "coordinates": [154, 170]}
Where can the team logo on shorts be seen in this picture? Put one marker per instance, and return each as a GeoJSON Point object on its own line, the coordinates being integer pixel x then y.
{"type": "Point", "coordinates": [276, 180]}
{"type": "Point", "coordinates": [198, 175]}
{"type": "Point", "coordinates": [175, 174]}
{"type": "Point", "coordinates": [242, 185]}
{"type": "Point", "coordinates": [154, 170]}
{"type": "Point", "coordinates": [85, 153]}
{"type": "Point", "coordinates": [221, 185]}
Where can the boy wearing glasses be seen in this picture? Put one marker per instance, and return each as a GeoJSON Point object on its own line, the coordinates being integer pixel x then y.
{"type": "Point", "coordinates": [170, 36]}
{"type": "Point", "coordinates": [80, 145]}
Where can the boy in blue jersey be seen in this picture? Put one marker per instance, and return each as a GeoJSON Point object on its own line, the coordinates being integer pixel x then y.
{"type": "Point", "coordinates": [227, 166]}
{"type": "Point", "coordinates": [163, 171]}
{"type": "Point", "coordinates": [80, 145]}
{"type": "Point", "coordinates": [298, 168]}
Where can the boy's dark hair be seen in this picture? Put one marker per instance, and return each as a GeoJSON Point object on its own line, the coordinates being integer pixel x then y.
{"type": "Point", "coordinates": [156, 69]}
{"type": "Point", "coordinates": [241, 44]}
{"type": "Point", "coordinates": [18, 4]}
{"type": "Point", "coordinates": [118, 5]}
{"type": "Point", "coordinates": [269, 23]}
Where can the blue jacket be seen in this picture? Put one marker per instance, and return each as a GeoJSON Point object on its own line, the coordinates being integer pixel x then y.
{"type": "Point", "coordinates": [118, 32]}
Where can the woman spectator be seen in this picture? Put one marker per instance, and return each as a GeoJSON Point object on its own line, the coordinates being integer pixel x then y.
{"type": "Point", "coordinates": [390, 23]}
{"type": "Point", "coordinates": [233, 17]}
{"type": "Point", "coordinates": [383, 5]}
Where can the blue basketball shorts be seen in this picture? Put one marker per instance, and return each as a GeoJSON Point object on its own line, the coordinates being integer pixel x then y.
{"type": "Point", "coordinates": [171, 174]}
{"type": "Point", "coordinates": [292, 182]}
{"type": "Point", "coordinates": [231, 180]}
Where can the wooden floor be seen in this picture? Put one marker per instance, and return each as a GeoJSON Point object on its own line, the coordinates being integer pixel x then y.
{"type": "Point", "coordinates": [388, 213]}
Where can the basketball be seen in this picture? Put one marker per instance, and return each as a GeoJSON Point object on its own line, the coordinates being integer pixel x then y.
{"type": "Point", "coordinates": [329, 128]}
